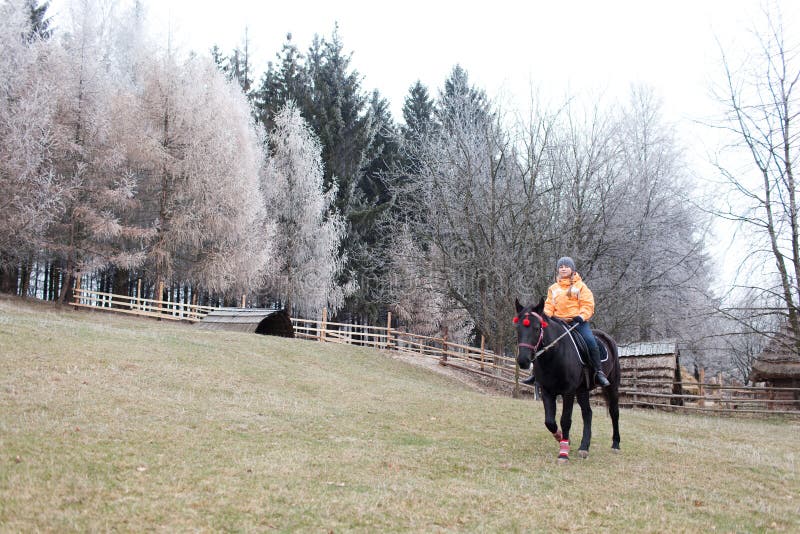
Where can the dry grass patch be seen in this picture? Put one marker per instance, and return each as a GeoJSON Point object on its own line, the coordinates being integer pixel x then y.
{"type": "Point", "coordinates": [114, 423]}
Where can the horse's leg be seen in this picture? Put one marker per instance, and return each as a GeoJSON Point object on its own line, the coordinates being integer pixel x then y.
{"type": "Point", "coordinates": [612, 399]}
{"type": "Point", "coordinates": [549, 402]}
{"type": "Point", "coordinates": [586, 413]}
{"type": "Point", "coordinates": [567, 402]}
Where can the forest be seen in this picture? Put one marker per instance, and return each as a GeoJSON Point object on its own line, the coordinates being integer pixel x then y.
{"type": "Point", "coordinates": [123, 160]}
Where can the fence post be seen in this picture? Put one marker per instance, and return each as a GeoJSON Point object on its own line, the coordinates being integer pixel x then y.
{"type": "Point", "coordinates": [701, 402]}
{"type": "Point", "coordinates": [483, 346]}
{"type": "Point", "coordinates": [389, 330]}
{"type": "Point", "coordinates": [443, 359]}
{"type": "Point", "coordinates": [323, 323]}
{"type": "Point", "coordinates": [159, 297]}
{"type": "Point", "coordinates": [244, 300]}
{"type": "Point", "coordinates": [75, 289]}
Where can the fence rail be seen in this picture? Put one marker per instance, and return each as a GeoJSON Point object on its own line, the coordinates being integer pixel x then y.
{"type": "Point", "coordinates": [642, 392]}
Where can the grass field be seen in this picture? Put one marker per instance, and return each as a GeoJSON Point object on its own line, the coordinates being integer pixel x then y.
{"type": "Point", "coordinates": [109, 423]}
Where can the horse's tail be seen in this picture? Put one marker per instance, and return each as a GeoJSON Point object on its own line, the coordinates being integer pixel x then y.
{"type": "Point", "coordinates": [613, 372]}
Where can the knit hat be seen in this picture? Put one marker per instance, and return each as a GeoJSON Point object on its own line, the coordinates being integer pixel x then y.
{"type": "Point", "coordinates": [566, 260]}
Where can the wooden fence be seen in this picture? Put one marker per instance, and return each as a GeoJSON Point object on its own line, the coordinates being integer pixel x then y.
{"type": "Point", "coordinates": [161, 309]}
{"type": "Point", "coordinates": [640, 392]}
{"type": "Point", "coordinates": [477, 360]}
{"type": "Point", "coordinates": [714, 398]}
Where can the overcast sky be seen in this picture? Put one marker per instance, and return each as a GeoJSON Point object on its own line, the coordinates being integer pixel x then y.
{"type": "Point", "coordinates": [504, 45]}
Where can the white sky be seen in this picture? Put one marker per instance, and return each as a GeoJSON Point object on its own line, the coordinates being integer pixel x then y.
{"type": "Point", "coordinates": [503, 44]}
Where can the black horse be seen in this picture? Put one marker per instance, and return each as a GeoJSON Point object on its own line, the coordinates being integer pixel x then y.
{"type": "Point", "coordinates": [559, 370]}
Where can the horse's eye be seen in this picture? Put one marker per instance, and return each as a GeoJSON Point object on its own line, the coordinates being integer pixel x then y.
{"type": "Point", "coordinates": [526, 322]}
{"type": "Point", "coordinates": [516, 320]}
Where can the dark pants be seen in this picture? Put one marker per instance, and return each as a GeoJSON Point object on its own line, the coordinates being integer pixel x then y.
{"type": "Point", "coordinates": [586, 333]}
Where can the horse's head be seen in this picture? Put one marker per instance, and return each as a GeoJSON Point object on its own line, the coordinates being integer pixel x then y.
{"type": "Point", "coordinates": [530, 325]}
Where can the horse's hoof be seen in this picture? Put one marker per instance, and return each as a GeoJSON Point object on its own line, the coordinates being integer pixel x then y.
{"type": "Point", "coordinates": [615, 450]}
{"type": "Point", "coordinates": [562, 461]}
{"type": "Point", "coordinates": [583, 454]}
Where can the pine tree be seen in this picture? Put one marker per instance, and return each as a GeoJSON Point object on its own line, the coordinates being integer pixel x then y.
{"type": "Point", "coordinates": [285, 81]}
{"type": "Point", "coordinates": [370, 213]}
{"type": "Point", "coordinates": [339, 114]}
{"type": "Point", "coordinates": [459, 95]}
{"type": "Point", "coordinates": [417, 113]}
{"type": "Point", "coordinates": [40, 22]}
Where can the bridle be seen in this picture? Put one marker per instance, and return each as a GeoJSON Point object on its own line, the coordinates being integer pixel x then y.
{"type": "Point", "coordinates": [542, 325]}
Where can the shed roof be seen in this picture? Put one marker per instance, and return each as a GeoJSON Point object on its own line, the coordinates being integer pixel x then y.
{"type": "Point", "coordinates": [778, 360]}
{"type": "Point", "coordinates": [252, 320]}
{"type": "Point", "coordinates": [649, 348]}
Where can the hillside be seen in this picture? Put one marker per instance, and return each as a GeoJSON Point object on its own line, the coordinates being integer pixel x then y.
{"type": "Point", "coordinates": [117, 423]}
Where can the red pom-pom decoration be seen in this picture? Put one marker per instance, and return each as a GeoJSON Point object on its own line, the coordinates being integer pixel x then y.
{"type": "Point", "coordinates": [516, 320]}
{"type": "Point", "coordinates": [544, 324]}
{"type": "Point", "coordinates": [526, 322]}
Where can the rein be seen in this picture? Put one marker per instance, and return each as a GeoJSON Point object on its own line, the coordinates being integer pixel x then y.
{"type": "Point", "coordinates": [545, 349]}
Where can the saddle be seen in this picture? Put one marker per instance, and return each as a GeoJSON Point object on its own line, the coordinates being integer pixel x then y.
{"type": "Point", "coordinates": [583, 350]}
{"type": "Point", "coordinates": [583, 353]}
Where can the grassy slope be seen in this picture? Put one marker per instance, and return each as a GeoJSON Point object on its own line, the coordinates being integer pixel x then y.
{"type": "Point", "coordinates": [113, 423]}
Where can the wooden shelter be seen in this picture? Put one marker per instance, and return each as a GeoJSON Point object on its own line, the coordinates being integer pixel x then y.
{"type": "Point", "coordinates": [778, 366]}
{"type": "Point", "coordinates": [650, 367]}
{"type": "Point", "coordinates": [253, 320]}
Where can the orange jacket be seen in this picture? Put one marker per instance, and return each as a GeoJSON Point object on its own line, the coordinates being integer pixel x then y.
{"type": "Point", "coordinates": [569, 297]}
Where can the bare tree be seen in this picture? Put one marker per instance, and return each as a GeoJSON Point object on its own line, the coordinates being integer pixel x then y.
{"type": "Point", "coordinates": [761, 106]}
{"type": "Point", "coordinates": [497, 206]}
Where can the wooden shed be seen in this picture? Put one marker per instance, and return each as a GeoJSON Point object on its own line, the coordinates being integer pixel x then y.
{"type": "Point", "coordinates": [253, 320]}
{"type": "Point", "coordinates": [778, 366]}
{"type": "Point", "coordinates": [651, 367]}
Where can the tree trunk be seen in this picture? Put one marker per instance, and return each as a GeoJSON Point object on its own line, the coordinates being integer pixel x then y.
{"type": "Point", "coordinates": [8, 283]}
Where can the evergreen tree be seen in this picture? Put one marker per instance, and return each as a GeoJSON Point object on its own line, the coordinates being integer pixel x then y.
{"type": "Point", "coordinates": [417, 113]}
{"type": "Point", "coordinates": [218, 58]}
{"type": "Point", "coordinates": [285, 81]}
{"type": "Point", "coordinates": [340, 115]}
{"type": "Point", "coordinates": [456, 97]}
{"type": "Point", "coordinates": [40, 22]}
{"type": "Point", "coordinates": [418, 109]}
{"type": "Point", "coordinates": [370, 253]}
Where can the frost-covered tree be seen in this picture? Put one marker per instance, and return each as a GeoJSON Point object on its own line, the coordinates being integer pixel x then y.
{"type": "Point", "coordinates": [31, 192]}
{"type": "Point", "coordinates": [308, 231]}
{"type": "Point", "coordinates": [91, 155]}
{"type": "Point", "coordinates": [473, 218]}
{"type": "Point", "coordinates": [497, 205]}
{"type": "Point", "coordinates": [201, 156]}
{"type": "Point", "coordinates": [652, 265]}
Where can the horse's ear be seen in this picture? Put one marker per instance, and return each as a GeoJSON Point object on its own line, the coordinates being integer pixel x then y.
{"type": "Point", "coordinates": [539, 307]}
{"type": "Point", "coordinates": [518, 305]}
